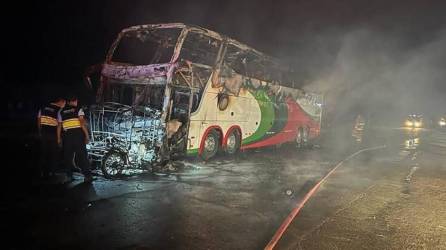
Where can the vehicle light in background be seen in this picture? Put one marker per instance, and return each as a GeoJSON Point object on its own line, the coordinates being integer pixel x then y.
{"type": "Point", "coordinates": [409, 124]}
{"type": "Point", "coordinates": [442, 123]}
{"type": "Point", "coordinates": [417, 124]}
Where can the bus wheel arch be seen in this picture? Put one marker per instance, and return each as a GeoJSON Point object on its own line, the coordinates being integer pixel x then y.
{"type": "Point", "coordinates": [232, 140]}
{"type": "Point", "coordinates": [210, 142]}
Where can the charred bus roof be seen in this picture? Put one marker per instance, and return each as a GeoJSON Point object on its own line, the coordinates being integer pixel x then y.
{"type": "Point", "coordinates": [287, 75]}
{"type": "Point", "coordinates": [202, 30]}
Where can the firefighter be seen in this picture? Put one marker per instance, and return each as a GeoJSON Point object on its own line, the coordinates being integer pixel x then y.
{"type": "Point", "coordinates": [74, 138]}
{"type": "Point", "coordinates": [47, 131]}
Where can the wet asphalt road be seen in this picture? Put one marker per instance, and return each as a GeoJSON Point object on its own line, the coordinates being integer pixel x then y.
{"type": "Point", "coordinates": [223, 204]}
{"type": "Point", "coordinates": [378, 200]}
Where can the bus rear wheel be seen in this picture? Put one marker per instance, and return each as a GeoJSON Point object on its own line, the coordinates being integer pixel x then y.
{"type": "Point", "coordinates": [301, 137]}
{"type": "Point", "coordinates": [233, 143]}
{"type": "Point", "coordinates": [211, 145]}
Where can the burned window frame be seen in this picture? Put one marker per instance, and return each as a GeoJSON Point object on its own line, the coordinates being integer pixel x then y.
{"type": "Point", "coordinates": [252, 64]}
{"type": "Point", "coordinates": [234, 59]}
{"type": "Point", "coordinates": [211, 56]}
{"type": "Point", "coordinates": [114, 93]}
{"type": "Point", "coordinates": [149, 93]}
{"type": "Point", "coordinates": [173, 44]}
{"type": "Point", "coordinates": [192, 74]}
{"type": "Point", "coordinates": [111, 88]}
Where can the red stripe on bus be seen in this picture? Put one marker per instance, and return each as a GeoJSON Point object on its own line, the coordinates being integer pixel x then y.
{"type": "Point", "coordinates": [296, 118]}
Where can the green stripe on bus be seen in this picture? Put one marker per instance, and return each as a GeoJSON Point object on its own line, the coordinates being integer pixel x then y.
{"type": "Point", "coordinates": [266, 116]}
{"type": "Point", "coordinates": [192, 152]}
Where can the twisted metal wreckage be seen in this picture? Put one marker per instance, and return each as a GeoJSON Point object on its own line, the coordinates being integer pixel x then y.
{"type": "Point", "coordinates": [154, 77]}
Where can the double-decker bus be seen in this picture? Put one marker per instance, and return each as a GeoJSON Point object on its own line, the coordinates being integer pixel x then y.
{"type": "Point", "coordinates": [175, 89]}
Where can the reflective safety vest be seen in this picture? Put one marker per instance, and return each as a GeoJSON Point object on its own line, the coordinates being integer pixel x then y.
{"type": "Point", "coordinates": [70, 118]}
{"type": "Point", "coordinates": [48, 116]}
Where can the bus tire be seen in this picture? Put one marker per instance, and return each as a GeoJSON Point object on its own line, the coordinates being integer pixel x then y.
{"type": "Point", "coordinates": [233, 142]}
{"type": "Point", "coordinates": [307, 142]}
{"type": "Point", "coordinates": [112, 164]}
{"type": "Point", "coordinates": [211, 145]}
{"type": "Point", "coordinates": [300, 142]}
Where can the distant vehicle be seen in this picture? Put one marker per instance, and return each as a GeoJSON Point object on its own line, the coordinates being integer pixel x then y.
{"type": "Point", "coordinates": [414, 121]}
{"type": "Point", "coordinates": [442, 122]}
{"type": "Point", "coordinates": [358, 128]}
{"type": "Point", "coordinates": [174, 89]}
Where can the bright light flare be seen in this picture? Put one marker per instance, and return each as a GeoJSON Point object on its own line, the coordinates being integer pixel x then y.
{"type": "Point", "coordinates": [418, 124]}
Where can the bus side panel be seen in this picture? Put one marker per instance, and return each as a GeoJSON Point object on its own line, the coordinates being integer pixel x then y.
{"type": "Point", "coordinates": [296, 118]}
{"type": "Point", "coordinates": [262, 121]}
{"type": "Point", "coordinates": [311, 108]}
{"type": "Point", "coordinates": [243, 111]}
{"type": "Point", "coordinates": [267, 116]}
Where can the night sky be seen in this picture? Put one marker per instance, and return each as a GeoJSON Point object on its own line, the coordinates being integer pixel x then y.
{"type": "Point", "coordinates": [52, 43]}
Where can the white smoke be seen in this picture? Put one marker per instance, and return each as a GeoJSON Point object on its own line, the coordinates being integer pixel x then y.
{"type": "Point", "coordinates": [381, 74]}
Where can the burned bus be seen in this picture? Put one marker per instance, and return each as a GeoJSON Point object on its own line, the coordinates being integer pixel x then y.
{"type": "Point", "coordinates": [169, 90]}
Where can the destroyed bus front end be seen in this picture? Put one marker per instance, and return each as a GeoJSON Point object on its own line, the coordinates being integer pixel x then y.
{"type": "Point", "coordinates": [128, 122]}
{"type": "Point", "coordinates": [134, 133]}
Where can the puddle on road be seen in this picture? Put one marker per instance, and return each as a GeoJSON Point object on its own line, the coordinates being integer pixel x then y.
{"type": "Point", "coordinates": [410, 147]}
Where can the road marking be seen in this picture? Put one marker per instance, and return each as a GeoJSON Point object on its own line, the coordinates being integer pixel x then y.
{"type": "Point", "coordinates": [300, 205]}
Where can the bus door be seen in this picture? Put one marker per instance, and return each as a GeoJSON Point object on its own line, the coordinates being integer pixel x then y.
{"type": "Point", "coordinates": [179, 118]}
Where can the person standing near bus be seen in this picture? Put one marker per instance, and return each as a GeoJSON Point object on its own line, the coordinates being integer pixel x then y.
{"type": "Point", "coordinates": [74, 138]}
{"type": "Point", "coordinates": [47, 131]}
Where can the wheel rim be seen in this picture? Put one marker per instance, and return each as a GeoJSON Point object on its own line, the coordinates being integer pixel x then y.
{"type": "Point", "coordinates": [113, 164]}
{"type": "Point", "coordinates": [231, 143]}
{"type": "Point", "coordinates": [209, 144]}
